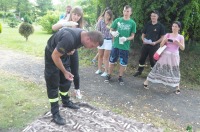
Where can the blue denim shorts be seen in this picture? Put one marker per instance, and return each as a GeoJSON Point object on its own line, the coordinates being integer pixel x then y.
{"type": "Point", "coordinates": [122, 55]}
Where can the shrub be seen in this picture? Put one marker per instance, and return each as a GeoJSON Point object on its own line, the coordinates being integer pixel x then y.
{"type": "Point", "coordinates": [0, 28]}
{"type": "Point", "coordinates": [12, 22]}
{"type": "Point", "coordinates": [48, 20]}
{"type": "Point", "coordinates": [1, 14]}
{"type": "Point", "coordinates": [27, 19]}
{"type": "Point", "coordinates": [26, 29]}
{"type": "Point", "coordinates": [9, 14]}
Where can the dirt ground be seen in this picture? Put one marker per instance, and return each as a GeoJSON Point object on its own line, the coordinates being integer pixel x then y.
{"type": "Point", "coordinates": [131, 100]}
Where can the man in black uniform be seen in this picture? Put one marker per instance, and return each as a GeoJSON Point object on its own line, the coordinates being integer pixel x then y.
{"type": "Point", "coordinates": [152, 35]}
{"type": "Point", "coordinates": [57, 64]}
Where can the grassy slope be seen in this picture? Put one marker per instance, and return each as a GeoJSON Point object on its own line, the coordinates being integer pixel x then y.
{"type": "Point", "coordinates": [21, 102]}
{"type": "Point", "coordinates": [10, 38]}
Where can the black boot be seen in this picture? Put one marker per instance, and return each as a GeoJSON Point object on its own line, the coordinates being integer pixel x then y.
{"type": "Point", "coordinates": [67, 103]}
{"type": "Point", "coordinates": [58, 119]}
{"type": "Point", "coordinates": [138, 72]}
{"type": "Point", "coordinates": [70, 104]}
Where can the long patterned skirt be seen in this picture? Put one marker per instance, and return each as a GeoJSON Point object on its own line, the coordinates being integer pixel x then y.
{"type": "Point", "coordinates": [166, 70]}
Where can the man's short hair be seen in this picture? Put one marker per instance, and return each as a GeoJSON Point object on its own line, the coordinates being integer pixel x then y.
{"type": "Point", "coordinates": [156, 12]}
{"type": "Point", "coordinates": [96, 36]}
{"type": "Point", "coordinates": [127, 7]}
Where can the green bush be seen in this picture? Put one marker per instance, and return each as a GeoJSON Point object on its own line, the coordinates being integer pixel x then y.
{"type": "Point", "coordinates": [48, 20]}
{"type": "Point", "coordinates": [9, 14]}
{"type": "Point", "coordinates": [27, 19]}
{"type": "Point", "coordinates": [26, 29]}
{"type": "Point", "coordinates": [0, 28]}
{"type": "Point", "coordinates": [1, 14]}
{"type": "Point", "coordinates": [13, 22]}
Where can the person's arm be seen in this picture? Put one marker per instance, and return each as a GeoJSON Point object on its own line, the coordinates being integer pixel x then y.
{"type": "Point", "coordinates": [180, 43]}
{"type": "Point", "coordinates": [114, 33]}
{"type": "Point", "coordinates": [162, 33]}
{"type": "Point", "coordinates": [164, 40]}
{"type": "Point", "coordinates": [58, 62]}
{"type": "Point", "coordinates": [113, 28]}
{"type": "Point", "coordinates": [63, 23]}
{"type": "Point", "coordinates": [133, 31]}
{"type": "Point", "coordinates": [158, 41]}
{"type": "Point", "coordinates": [131, 37]}
{"type": "Point", "coordinates": [57, 26]}
{"type": "Point", "coordinates": [142, 37]}
{"type": "Point", "coordinates": [99, 26]}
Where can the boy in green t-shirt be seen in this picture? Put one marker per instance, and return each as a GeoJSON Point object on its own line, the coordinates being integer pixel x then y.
{"type": "Point", "coordinates": [123, 30]}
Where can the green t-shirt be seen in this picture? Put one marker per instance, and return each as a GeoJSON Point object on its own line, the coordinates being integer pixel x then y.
{"type": "Point", "coordinates": [125, 28]}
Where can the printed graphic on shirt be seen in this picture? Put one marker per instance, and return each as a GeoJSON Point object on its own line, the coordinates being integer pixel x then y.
{"type": "Point", "coordinates": [124, 26]}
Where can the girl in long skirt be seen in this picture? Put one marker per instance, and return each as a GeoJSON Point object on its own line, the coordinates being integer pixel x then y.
{"type": "Point", "coordinates": [166, 69]}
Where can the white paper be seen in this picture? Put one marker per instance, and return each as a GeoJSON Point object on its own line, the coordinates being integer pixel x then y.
{"type": "Point", "coordinates": [148, 41]}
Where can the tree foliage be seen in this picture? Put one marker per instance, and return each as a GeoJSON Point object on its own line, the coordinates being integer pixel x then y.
{"type": "Point", "coordinates": [48, 20]}
{"type": "Point", "coordinates": [90, 9]}
{"type": "Point", "coordinates": [16, 8]}
{"type": "Point", "coordinates": [22, 7]}
{"type": "Point", "coordinates": [44, 6]}
{"type": "Point", "coordinates": [185, 11]}
{"type": "Point", "coordinates": [12, 22]}
{"type": "Point", "coordinates": [26, 30]}
{"type": "Point", "coordinates": [0, 28]}
{"type": "Point", "coordinates": [5, 5]}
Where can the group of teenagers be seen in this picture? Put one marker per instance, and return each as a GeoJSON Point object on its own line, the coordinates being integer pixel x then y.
{"type": "Point", "coordinates": [113, 39]}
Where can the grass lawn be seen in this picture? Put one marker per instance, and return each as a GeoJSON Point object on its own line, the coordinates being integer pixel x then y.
{"type": "Point", "coordinates": [22, 101]}
{"type": "Point", "coordinates": [10, 38]}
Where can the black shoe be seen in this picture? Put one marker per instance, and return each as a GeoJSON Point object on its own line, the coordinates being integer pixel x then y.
{"type": "Point", "coordinates": [71, 105]}
{"type": "Point", "coordinates": [121, 82]}
{"type": "Point", "coordinates": [58, 119]}
{"type": "Point", "coordinates": [137, 74]}
{"type": "Point", "coordinates": [108, 77]}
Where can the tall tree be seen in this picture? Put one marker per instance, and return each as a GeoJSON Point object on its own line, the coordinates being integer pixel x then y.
{"type": "Point", "coordinates": [44, 6]}
{"type": "Point", "coordinates": [90, 9]}
{"type": "Point", "coordinates": [6, 5]}
{"type": "Point", "coordinates": [23, 7]}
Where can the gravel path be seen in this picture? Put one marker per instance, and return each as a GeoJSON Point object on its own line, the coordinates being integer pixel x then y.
{"type": "Point", "coordinates": [160, 102]}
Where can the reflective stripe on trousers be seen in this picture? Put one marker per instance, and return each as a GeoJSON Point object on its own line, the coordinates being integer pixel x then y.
{"type": "Point", "coordinates": [53, 100]}
{"type": "Point", "coordinates": [141, 65]}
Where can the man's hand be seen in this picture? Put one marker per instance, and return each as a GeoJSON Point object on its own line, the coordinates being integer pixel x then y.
{"type": "Point", "coordinates": [69, 76]}
{"type": "Point", "coordinates": [153, 43]}
{"type": "Point", "coordinates": [114, 33]}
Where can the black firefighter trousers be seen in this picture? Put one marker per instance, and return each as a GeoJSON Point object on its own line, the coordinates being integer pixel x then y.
{"type": "Point", "coordinates": [147, 50]}
{"type": "Point", "coordinates": [56, 82]}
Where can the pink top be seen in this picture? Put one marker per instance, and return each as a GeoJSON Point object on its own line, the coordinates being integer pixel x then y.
{"type": "Point", "coordinates": [171, 46]}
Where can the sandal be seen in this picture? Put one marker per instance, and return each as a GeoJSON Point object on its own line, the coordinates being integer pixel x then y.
{"type": "Point", "coordinates": [145, 86]}
{"type": "Point", "coordinates": [177, 91]}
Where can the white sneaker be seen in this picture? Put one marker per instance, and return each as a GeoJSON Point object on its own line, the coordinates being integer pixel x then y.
{"type": "Point", "coordinates": [104, 74]}
{"type": "Point", "coordinates": [98, 72]}
{"type": "Point", "coordinates": [78, 94]}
